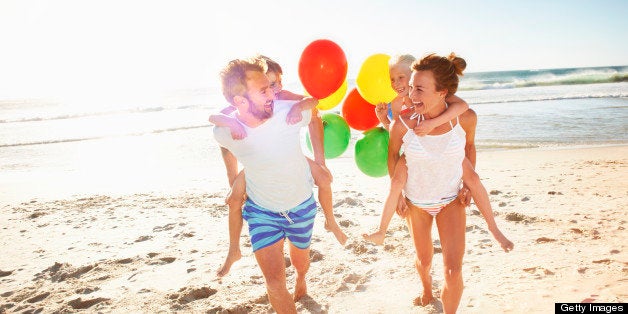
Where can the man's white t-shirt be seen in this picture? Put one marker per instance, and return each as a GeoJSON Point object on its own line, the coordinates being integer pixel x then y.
{"type": "Point", "coordinates": [277, 174]}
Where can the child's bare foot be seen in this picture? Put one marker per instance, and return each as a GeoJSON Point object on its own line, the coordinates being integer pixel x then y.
{"type": "Point", "coordinates": [232, 257]}
{"type": "Point", "coordinates": [375, 237]}
{"type": "Point", "coordinates": [338, 233]}
{"type": "Point", "coordinates": [300, 288]}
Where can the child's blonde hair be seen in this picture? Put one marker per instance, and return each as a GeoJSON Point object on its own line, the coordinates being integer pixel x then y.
{"type": "Point", "coordinates": [403, 60]}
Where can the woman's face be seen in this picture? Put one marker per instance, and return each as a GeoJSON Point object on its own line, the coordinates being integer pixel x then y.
{"type": "Point", "coordinates": [399, 79]}
{"type": "Point", "coordinates": [423, 93]}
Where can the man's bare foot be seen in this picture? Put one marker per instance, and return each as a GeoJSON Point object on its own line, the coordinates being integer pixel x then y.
{"type": "Point", "coordinates": [232, 257]}
{"type": "Point", "coordinates": [340, 236]}
{"type": "Point", "coordinates": [300, 289]}
{"type": "Point", "coordinates": [375, 237]}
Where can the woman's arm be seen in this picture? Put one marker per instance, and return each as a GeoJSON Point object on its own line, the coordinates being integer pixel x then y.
{"type": "Point", "coordinates": [469, 121]}
{"type": "Point", "coordinates": [397, 130]}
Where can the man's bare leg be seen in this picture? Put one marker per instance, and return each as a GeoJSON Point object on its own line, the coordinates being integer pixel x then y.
{"type": "Point", "coordinates": [300, 259]}
{"type": "Point", "coordinates": [271, 262]}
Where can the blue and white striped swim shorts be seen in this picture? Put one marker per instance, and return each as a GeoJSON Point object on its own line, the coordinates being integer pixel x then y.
{"type": "Point", "coordinates": [267, 227]}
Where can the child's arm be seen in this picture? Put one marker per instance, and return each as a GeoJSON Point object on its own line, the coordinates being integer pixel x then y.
{"type": "Point", "coordinates": [294, 115]}
{"type": "Point", "coordinates": [237, 130]}
{"type": "Point", "coordinates": [457, 106]}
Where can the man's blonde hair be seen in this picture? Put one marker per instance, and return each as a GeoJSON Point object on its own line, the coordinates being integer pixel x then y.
{"type": "Point", "coordinates": [233, 77]}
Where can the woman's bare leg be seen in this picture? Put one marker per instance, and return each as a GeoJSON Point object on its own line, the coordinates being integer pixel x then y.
{"type": "Point", "coordinates": [420, 227]}
{"type": "Point", "coordinates": [451, 223]}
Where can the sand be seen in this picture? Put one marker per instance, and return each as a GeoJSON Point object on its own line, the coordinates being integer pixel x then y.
{"type": "Point", "coordinates": [565, 210]}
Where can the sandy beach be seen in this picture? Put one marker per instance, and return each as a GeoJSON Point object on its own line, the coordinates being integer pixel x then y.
{"type": "Point", "coordinates": [565, 210]}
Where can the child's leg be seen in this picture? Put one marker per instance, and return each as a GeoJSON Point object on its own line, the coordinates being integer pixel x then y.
{"type": "Point", "coordinates": [235, 200]}
{"type": "Point", "coordinates": [231, 164]}
{"type": "Point", "coordinates": [397, 182]}
{"type": "Point", "coordinates": [480, 196]}
{"type": "Point", "coordinates": [322, 179]}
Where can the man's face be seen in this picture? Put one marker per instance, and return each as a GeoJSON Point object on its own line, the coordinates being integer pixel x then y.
{"type": "Point", "coordinates": [259, 95]}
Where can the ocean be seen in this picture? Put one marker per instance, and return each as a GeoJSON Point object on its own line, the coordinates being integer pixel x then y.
{"type": "Point", "coordinates": [158, 141]}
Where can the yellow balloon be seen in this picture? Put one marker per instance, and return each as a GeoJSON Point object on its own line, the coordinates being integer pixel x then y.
{"type": "Point", "coordinates": [373, 81]}
{"type": "Point", "coordinates": [334, 99]}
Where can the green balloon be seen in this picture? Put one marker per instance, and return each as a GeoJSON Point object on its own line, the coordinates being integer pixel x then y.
{"type": "Point", "coordinates": [371, 152]}
{"type": "Point", "coordinates": [336, 134]}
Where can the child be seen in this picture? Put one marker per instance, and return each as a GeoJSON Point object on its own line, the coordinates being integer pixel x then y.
{"type": "Point", "coordinates": [399, 81]}
{"type": "Point", "coordinates": [320, 173]}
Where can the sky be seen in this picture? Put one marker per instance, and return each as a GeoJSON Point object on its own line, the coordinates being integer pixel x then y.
{"type": "Point", "coordinates": [97, 48]}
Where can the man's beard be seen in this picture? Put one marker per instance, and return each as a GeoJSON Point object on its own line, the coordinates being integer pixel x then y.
{"type": "Point", "coordinates": [261, 114]}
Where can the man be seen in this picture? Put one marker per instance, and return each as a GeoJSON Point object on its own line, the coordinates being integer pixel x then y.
{"type": "Point", "coordinates": [279, 185]}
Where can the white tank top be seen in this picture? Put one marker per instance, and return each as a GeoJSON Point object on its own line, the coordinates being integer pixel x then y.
{"type": "Point", "coordinates": [434, 164]}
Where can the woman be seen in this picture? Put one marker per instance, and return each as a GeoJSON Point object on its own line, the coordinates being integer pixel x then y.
{"type": "Point", "coordinates": [434, 165]}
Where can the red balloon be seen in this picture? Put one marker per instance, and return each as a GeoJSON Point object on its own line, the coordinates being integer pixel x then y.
{"type": "Point", "coordinates": [359, 113]}
{"type": "Point", "coordinates": [322, 68]}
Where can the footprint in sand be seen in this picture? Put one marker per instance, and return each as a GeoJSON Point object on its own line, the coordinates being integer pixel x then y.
{"type": "Point", "coordinates": [544, 240]}
{"type": "Point", "coordinates": [80, 304]}
{"type": "Point", "coordinates": [189, 294]}
{"type": "Point", "coordinates": [143, 238]}
{"type": "Point", "coordinates": [5, 273]}
{"type": "Point", "coordinates": [315, 256]}
{"type": "Point", "coordinates": [38, 298]}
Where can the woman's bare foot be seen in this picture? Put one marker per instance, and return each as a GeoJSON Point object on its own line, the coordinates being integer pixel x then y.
{"type": "Point", "coordinates": [424, 299]}
{"type": "Point", "coordinates": [335, 229]}
{"type": "Point", "coordinates": [375, 237]}
{"type": "Point", "coordinates": [232, 257]}
{"type": "Point", "coordinates": [300, 289]}
{"type": "Point", "coordinates": [427, 295]}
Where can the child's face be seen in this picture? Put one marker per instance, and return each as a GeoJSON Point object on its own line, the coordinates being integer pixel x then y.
{"type": "Point", "coordinates": [275, 81]}
{"type": "Point", "coordinates": [399, 79]}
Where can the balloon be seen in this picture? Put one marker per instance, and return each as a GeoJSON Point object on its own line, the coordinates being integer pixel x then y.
{"type": "Point", "coordinates": [336, 134]}
{"type": "Point", "coordinates": [371, 152]}
{"type": "Point", "coordinates": [373, 80]}
{"type": "Point", "coordinates": [360, 115]}
{"type": "Point", "coordinates": [322, 68]}
{"type": "Point", "coordinates": [334, 99]}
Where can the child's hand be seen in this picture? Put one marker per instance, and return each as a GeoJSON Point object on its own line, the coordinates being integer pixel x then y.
{"type": "Point", "coordinates": [381, 111]}
{"type": "Point", "coordinates": [294, 115]}
{"type": "Point", "coordinates": [237, 131]}
{"type": "Point", "coordinates": [425, 127]}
